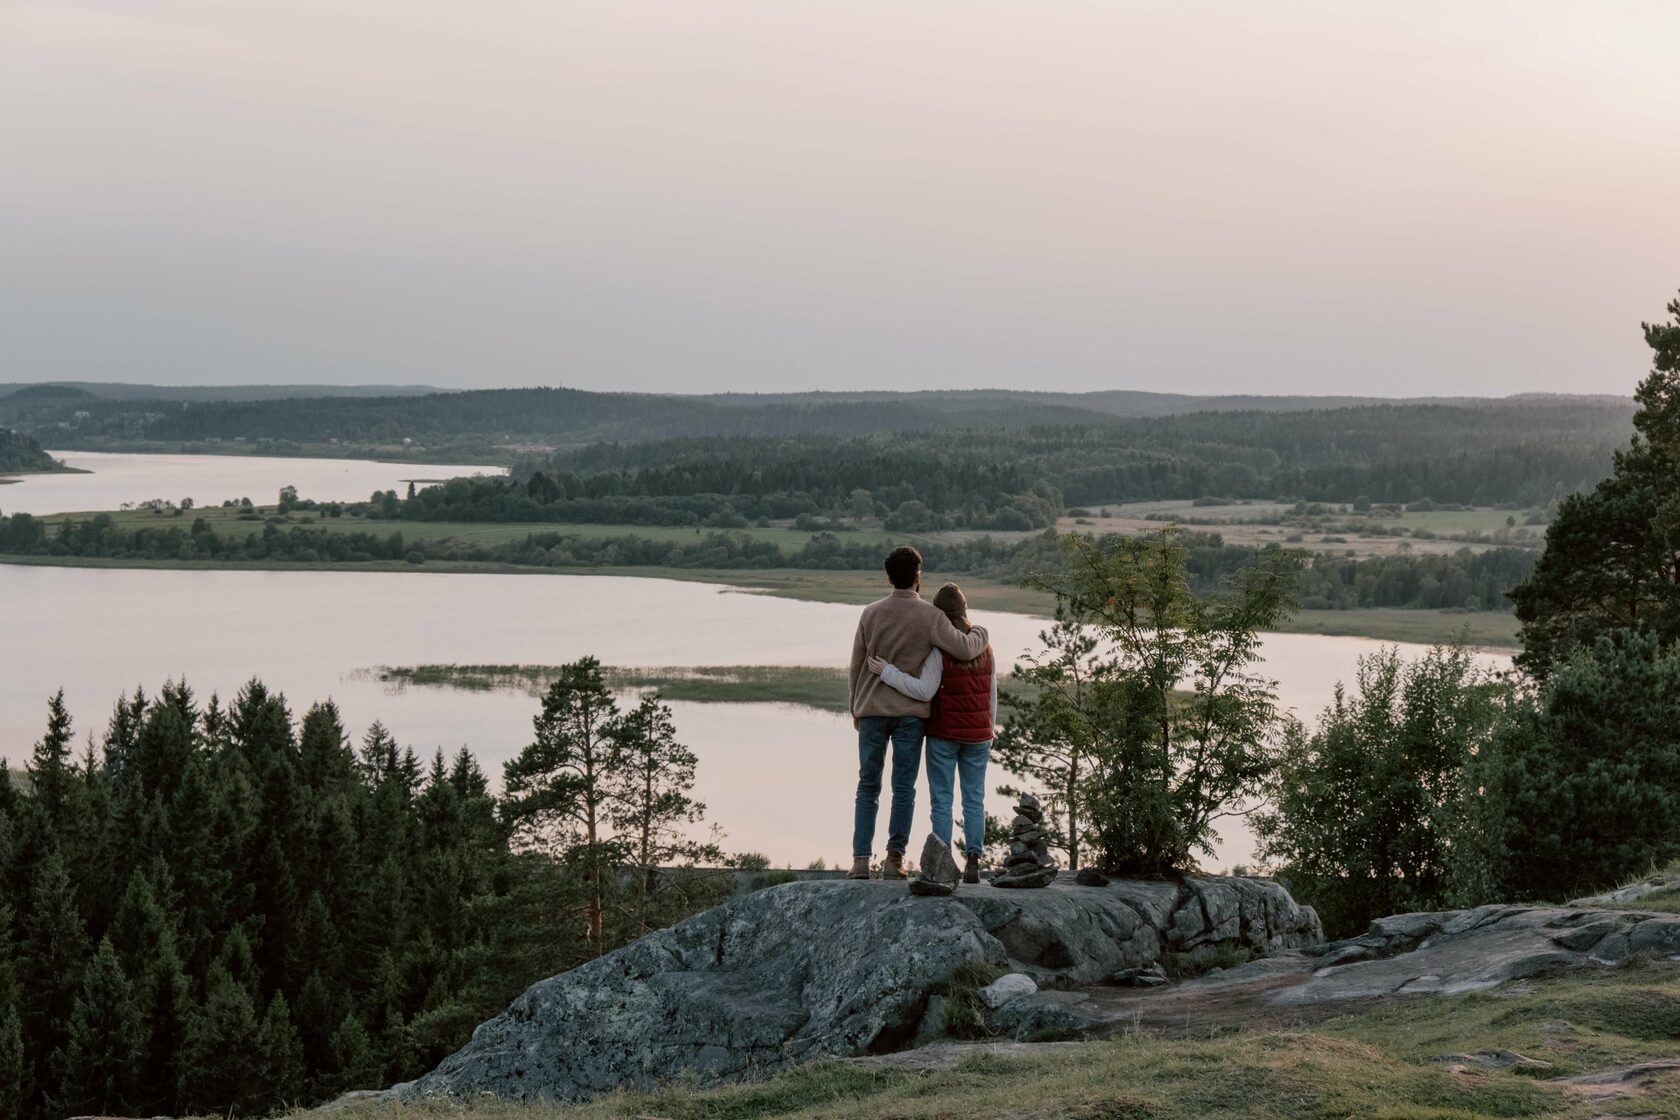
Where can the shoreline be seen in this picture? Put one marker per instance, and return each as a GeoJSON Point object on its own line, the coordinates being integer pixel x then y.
{"type": "Point", "coordinates": [1491, 630]}
{"type": "Point", "coordinates": [388, 455]}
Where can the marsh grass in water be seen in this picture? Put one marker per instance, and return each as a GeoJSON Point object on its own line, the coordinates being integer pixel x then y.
{"type": "Point", "coordinates": [825, 689]}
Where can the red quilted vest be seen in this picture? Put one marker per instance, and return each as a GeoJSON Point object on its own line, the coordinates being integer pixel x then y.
{"type": "Point", "coordinates": [962, 709]}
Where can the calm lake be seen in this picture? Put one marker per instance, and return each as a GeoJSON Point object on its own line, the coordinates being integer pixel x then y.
{"type": "Point", "coordinates": [210, 480]}
{"type": "Point", "coordinates": [777, 778]}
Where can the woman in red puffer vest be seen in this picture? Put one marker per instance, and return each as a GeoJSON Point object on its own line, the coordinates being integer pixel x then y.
{"type": "Point", "coordinates": [959, 733]}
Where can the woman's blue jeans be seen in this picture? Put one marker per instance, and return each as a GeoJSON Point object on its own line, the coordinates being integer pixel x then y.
{"type": "Point", "coordinates": [945, 760]}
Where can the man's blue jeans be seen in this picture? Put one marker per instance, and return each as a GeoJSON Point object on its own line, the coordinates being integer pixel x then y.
{"type": "Point", "coordinates": [944, 760]}
{"type": "Point", "coordinates": [874, 732]}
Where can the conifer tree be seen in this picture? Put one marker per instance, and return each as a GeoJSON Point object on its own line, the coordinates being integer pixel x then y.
{"type": "Point", "coordinates": [651, 805]}
{"type": "Point", "coordinates": [51, 953]}
{"type": "Point", "coordinates": [216, 1054]}
{"type": "Point", "coordinates": [143, 935]}
{"type": "Point", "coordinates": [280, 1054]}
{"type": "Point", "coordinates": [12, 1102]}
{"type": "Point", "coordinates": [1612, 558]}
{"type": "Point", "coordinates": [325, 760]}
{"type": "Point", "coordinates": [558, 788]}
{"type": "Point", "coordinates": [355, 1066]}
{"type": "Point", "coordinates": [98, 1066]}
{"type": "Point", "coordinates": [50, 763]}
{"type": "Point", "coordinates": [11, 1026]}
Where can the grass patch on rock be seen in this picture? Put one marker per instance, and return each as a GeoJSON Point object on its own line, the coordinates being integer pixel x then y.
{"type": "Point", "coordinates": [965, 1012]}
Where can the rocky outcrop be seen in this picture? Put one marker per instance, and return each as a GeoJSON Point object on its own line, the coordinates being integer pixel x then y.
{"type": "Point", "coordinates": [1453, 952]}
{"type": "Point", "coordinates": [1467, 950]}
{"type": "Point", "coordinates": [1633, 893]}
{"type": "Point", "coordinates": [838, 969]}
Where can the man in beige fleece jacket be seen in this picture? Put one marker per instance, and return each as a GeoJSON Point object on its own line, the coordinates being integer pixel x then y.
{"type": "Point", "coordinates": [902, 629]}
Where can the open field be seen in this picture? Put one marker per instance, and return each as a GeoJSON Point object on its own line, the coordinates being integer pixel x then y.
{"type": "Point", "coordinates": [1497, 629]}
{"type": "Point", "coordinates": [1399, 1059]}
{"type": "Point", "coordinates": [1329, 541]}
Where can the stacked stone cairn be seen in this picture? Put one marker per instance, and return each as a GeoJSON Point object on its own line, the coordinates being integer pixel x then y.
{"type": "Point", "coordinates": [1030, 863]}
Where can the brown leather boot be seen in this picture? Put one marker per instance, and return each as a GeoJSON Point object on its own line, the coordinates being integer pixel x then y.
{"type": "Point", "coordinates": [971, 869]}
{"type": "Point", "coordinates": [893, 868]}
{"type": "Point", "coordinates": [860, 868]}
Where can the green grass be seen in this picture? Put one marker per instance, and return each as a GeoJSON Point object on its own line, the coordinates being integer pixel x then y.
{"type": "Point", "coordinates": [1393, 624]}
{"type": "Point", "coordinates": [1663, 901]}
{"type": "Point", "coordinates": [1449, 522]}
{"type": "Point", "coordinates": [1374, 1065]}
{"type": "Point", "coordinates": [826, 689]}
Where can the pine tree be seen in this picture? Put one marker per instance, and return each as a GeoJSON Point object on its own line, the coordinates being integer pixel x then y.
{"type": "Point", "coordinates": [650, 804]}
{"type": "Point", "coordinates": [166, 744]}
{"type": "Point", "coordinates": [280, 1054]}
{"type": "Point", "coordinates": [1612, 558]}
{"type": "Point", "coordinates": [121, 738]}
{"type": "Point", "coordinates": [50, 765]}
{"type": "Point", "coordinates": [11, 1026]}
{"type": "Point", "coordinates": [51, 953]}
{"type": "Point", "coordinates": [558, 787]}
{"type": "Point", "coordinates": [98, 1065]}
{"type": "Point", "coordinates": [12, 1102]}
{"type": "Point", "coordinates": [355, 1065]}
{"type": "Point", "coordinates": [144, 937]}
{"type": "Point", "coordinates": [216, 1054]}
{"type": "Point", "coordinates": [325, 760]}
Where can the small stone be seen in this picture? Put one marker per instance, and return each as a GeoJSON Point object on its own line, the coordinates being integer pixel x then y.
{"type": "Point", "coordinates": [1006, 988]}
{"type": "Point", "coordinates": [1091, 877]}
{"type": "Point", "coordinates": [1493, 1059]}
{"type": "Point", "coordinates": [939, 872]}
{"type": "Point", "coordinates": [1149, 976]}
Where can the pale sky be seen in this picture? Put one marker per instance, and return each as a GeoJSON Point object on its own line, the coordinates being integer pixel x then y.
{"type": "Point", "coordinates": [1285, 196]}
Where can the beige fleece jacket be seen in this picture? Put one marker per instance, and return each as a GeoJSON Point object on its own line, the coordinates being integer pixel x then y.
{"type": "Point", "coordinates": [903, 629]}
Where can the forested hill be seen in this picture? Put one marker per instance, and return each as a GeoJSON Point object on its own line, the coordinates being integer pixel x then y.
{"type": "Point", "coordinates": [136, 391]}
{"type": "Point", "coordinates": [21, 453]}
{"type": "Point", "coordinates": [573, 417]}
{"type": "Point", "coordinates": [1522, 452]}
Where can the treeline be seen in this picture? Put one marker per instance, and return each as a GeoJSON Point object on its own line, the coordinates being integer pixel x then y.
{"type": "Point", "coordinates": [1436, 784]}
{"type": "Point", "coordinates": [996, 479]}
{"type": "Point", "coordinates": [569, 415]}
{"type": "Point", "coordinates": [102, 537]}
{"type": "Point", "coordinates": [963, 450]}
{"type": "Point", "coordinates": [19, 452]}
{"type": "Point", "coordinates": [823, 478]}
{"type": "Point", "coordinates": [1463, 580]}
{"type": "Point", "coordinates": [221, 909]}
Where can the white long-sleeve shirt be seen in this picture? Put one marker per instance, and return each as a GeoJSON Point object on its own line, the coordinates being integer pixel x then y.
{"type": "Point", "coordinates": [924, 686]}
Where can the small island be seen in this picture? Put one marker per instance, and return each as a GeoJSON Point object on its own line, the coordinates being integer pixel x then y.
{"type": "Point", "coordinates": [21, 454]}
